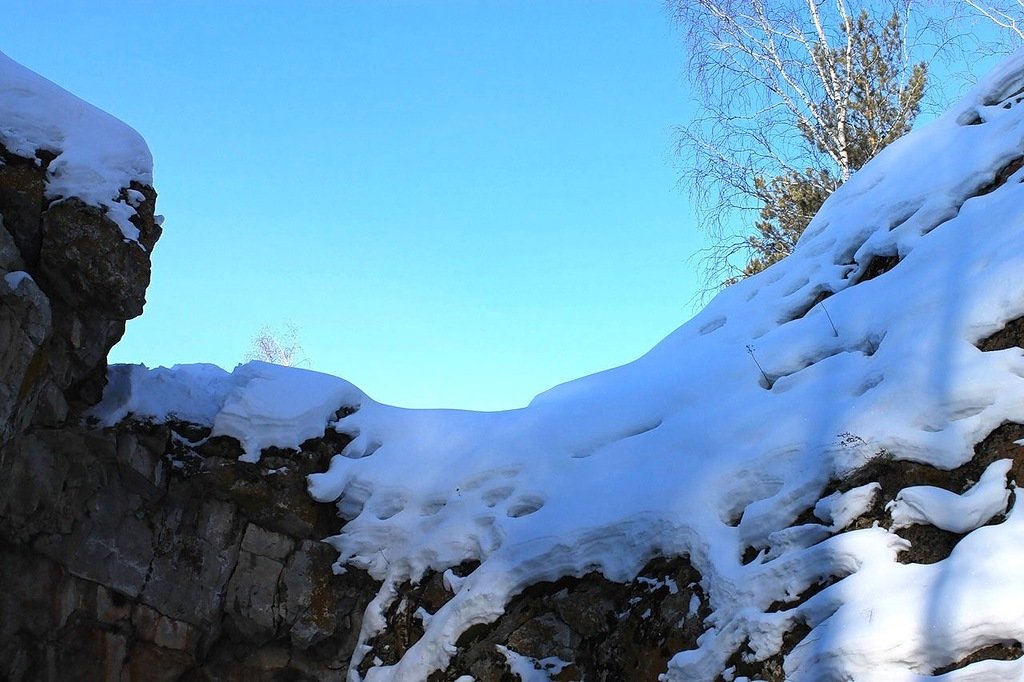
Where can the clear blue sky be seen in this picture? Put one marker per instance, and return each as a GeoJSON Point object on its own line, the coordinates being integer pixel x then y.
{"type": "Point", "coordinates": [458, 204]}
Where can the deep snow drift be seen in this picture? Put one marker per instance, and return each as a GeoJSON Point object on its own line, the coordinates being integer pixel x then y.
{"type": "Point", "coordinates": [691, 451]}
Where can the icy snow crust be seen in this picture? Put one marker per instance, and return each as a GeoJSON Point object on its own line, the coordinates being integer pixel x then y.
{"type": "Point", "coordinates": [690, 451]}
{"type": "Point", "coordinates": [97, 155]}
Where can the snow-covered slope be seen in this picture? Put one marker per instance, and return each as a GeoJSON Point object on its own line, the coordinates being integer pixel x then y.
{"type": "Point", "coordinates": [96, 154]}
{"type": "Point", "coordinates": [858, 351]}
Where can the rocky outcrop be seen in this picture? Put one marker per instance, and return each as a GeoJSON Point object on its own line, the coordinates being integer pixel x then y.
{"type": "Point", "coordinates": [69, 282]}
{"type": "Point", "coordinates": [587, 628]}
{"type": "Point", "coordinates": [142, 552]}
{"type": "Point", "coordinates": [150, 552]}
{"type": "Point", "coordinates": [137, 553]}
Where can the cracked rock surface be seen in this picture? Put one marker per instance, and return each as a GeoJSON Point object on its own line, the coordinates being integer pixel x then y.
{"type": "Point", "coordinates": [118, 561]}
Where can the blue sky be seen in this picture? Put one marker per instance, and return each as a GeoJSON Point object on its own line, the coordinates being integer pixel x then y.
{"type": "Point", "coordinates": [457, 204]}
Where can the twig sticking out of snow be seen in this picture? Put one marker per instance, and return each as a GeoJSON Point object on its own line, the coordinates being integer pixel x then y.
{"type": "Point", "coordinates": [750, 349]}
{"type": "Point", "coordinates": [835, 332]}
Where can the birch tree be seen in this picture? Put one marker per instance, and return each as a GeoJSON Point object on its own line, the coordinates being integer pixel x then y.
{"type": "Point", "coordinates": [1007, 15]}
{"type": "Point", "coordinates": [278, 346]}
{"type": "Point", "coordinates": [793, 96]}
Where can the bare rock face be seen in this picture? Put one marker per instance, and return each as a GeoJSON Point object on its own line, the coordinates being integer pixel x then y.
{"type": "Point", "coordinates": [69, 283]}
{"type": "Point", "coordinates": [135, 553]}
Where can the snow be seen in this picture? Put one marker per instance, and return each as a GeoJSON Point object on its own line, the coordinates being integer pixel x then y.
{"type": "Point", "coordinates": [259, 404]}
{"type": "Point", "coordinates": [841, 509]}
{"type": "Point", "coordinates": [14, 279]}
{"type": "Point", "coordinates": [654, 583]}
{"type": "Point", "coordinates": [191, 393]}
{"type": "Point", "coordinates": [690, 451]}
{"type": "Point", "coordinates": [268, 406]}
{"type": "Point", "coordinates": [532, 669]}
{"type": "Point", "coordinates": [97, 155]}
{"type": "Point", "coordinates": [898, 622]}
{"type": "Point", "coordinates": [950, 511]}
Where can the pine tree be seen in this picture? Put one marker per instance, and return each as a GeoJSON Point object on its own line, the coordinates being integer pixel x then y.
{"type": "Point", "coordinates": [875, 107]}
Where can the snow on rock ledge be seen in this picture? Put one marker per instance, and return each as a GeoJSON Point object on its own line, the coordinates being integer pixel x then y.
{"type": "Point", "coordinates": [947, 510]}
{"type": "Point", "coordinates": [97, 156]}
{"type": "Point", "coordinates": [77, 228]}
{"type": "Point", "coordinates": [259, 404]}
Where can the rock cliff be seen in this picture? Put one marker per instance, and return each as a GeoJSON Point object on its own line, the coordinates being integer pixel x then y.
{"type": "Point", "coordinates": [70, 282]}
{"type": "Point", "coordinates": [130, 553]}
{"type": "Point", "coordinates": [813, 479]}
